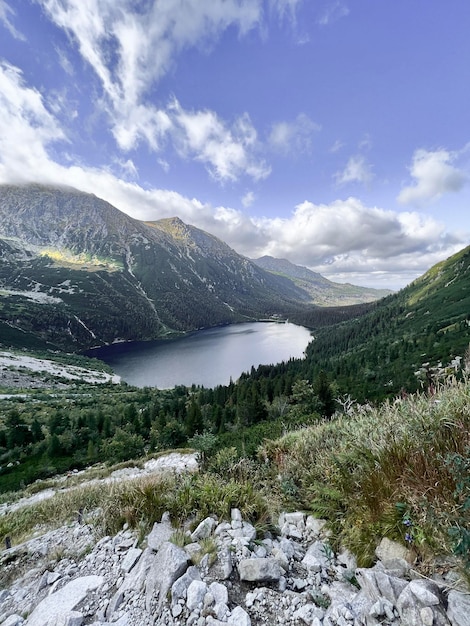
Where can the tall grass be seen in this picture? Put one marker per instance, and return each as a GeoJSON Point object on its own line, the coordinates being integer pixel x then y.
{"type": "Point", "coordinates": [382, 471]}
{"type": "Point", "coordinates": [139, 502]}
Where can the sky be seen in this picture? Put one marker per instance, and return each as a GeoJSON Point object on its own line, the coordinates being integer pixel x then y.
{"type": "Point", "coordinates": [332, 133]}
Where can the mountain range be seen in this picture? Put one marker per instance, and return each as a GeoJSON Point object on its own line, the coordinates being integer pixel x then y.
{"type": "Point", "coordinates": [76, 272]}
{"type": "Point", "coordinates": [323, 292]}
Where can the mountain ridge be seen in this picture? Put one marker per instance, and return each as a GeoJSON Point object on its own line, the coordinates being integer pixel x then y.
{"type": "Point", "coordinates": [320, 289]}
{"type": "Point", "coordinates": [105, 276]}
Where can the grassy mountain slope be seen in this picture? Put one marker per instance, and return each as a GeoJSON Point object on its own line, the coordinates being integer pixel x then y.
{"type": "Point", "coordinates": [424, 323]}
{"type": "Point", "coordinates": [320, 290]}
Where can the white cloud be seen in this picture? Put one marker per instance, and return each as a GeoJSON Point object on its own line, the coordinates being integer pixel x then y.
{"type": "Point", "coordinates": [337, 146]}
{"type": "Point", "coordinates": [28, 128]}
{"type": "Point", "coordinates": [164, 165]}
{"type": "Point", "coordinates": [293, 137]}
{"type": "Point", "coordinates": [286, 8]}
{"type": "Point", "coordinates": [6, 13]}
{"type": "Point", "coordinates": [248, 199]}
{"type": "Point", "coordinates": [365, 143]}
{"type": "Point", "coordinates": [130, 48]}
{"type": "Point", "coordinates": [346, 237]}
{"type": "Point", "coordinates": [342, 237]}
{"type": "Point", "coordinates": [332, 12]}
{"type": "Point", "coordinates": [227, 152]}
{"type": "Point", "coordinates": [357, 170]}
{"type": "Point", "coordinates": [434, 175]}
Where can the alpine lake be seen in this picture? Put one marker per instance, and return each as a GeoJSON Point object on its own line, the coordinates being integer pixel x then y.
{"type": "Point", "coordinates": [208, 357]}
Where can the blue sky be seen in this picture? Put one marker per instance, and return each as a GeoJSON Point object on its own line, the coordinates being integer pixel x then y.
{"type": "Point", "coordinates": [333, 133]}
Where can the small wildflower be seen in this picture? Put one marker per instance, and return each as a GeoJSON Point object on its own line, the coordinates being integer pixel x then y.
{"type": "Point", "coordinates": [407, 523]}
{"type": "Point", "coordinates": [408, 538]}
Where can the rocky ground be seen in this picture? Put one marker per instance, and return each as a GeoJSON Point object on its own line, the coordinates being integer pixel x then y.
{"type": "Point", "coordinates": [27, 372]}
{"type": "Point", "coordinates": [174, 462]}
{"type": "Point", "coordinates": [222, 573]}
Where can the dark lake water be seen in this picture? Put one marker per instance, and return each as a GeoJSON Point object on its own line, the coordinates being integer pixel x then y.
{"type": "Point", "coordinates": [208, 357]}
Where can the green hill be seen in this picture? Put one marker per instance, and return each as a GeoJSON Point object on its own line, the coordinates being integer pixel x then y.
{"type": "Point", "coordinates": [378, 354]}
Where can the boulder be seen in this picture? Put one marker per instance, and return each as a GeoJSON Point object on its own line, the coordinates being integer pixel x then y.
{"type": "Point", "coordinates": [179, 589]}
{"type": "Point", "coordinates": [314, 526]}
{"type": "Point", "coordinates": [317, 557]}
{"type": "Point", "coordinates": [420, 604]}
{"type": "Point", "coordinates": [196, 593]}
{"type": "Point", "coordinates": [458, 609]}
{"type": "Point", "coordinates": [131, 558]}
{"type": "Point", "coordinates": [204, 529]}
{"type": "Point", "coordinates": [59, 604]}
{"type": "Point", "coordinates": [388, 550]}
{"type": "Point", "coordinates": [259, 570]}
{"type": "Point", "coordinates": [239, 617]}
{"type": "Point", "coordinates": [219, 592]}
{"type": "Point", "coordinates": [377, 584]}
{"type": "Point", "coordinates": [170, 563]}
{"type": "Point", "coordinates": [160, 533]}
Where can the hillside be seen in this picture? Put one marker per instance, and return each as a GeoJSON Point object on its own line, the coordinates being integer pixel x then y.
{"type": "Point", "coordinates": [322, 291]}
{"type": "Point", "coordinates": [75, 272]}
{"type": "Point", "coordinates": [403, 337]}
{"type": "Point", "coordinates": [390, 479]}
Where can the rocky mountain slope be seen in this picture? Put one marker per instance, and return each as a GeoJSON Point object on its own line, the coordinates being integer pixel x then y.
{"type": "Point", "coordinates": [221, 573]}
{"type": "Point", "coordinates": [322, 291]}
{"type": "Point", "coordinates": [76, 272]}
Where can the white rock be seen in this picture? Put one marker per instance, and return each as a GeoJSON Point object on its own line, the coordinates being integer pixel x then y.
{"type": "Point", "coordinates": [63, 601]}
{"type": "Point", "coordinates": [346, 558]}
{"type": "Point", "coordinates": [170, 563]}
{"type": "Point", "coordinates": [196, 592]}
{"type": "Point", "coordinates": [235, 514]}
{"type": "Point", "coordinates": [377, 584]}
{"type": "Point", "coordinates": [296, 518]}
{"type": "Point", "coordinates": [281, 558]}
{"type": "Point", "coordinates": [239, 617]}
{"type": "Point", "coordinates": [307, 615]}
{"type": "Point", "coordinates": [13, 620]}
{"type": "Point", "coordinates": [220, 610]}
{"type": "Point", "coordinates": [388, 550]}
{"type": "Point", "coordinates": [160, 533]}
{"type": "Point", "coordinates": [314, 526]}
{"type": "Point", "coordinates": [204, 529]}
{"type": "Point", "coordinates": [219, 592]}
{"type": "Point", "coordinates": [316, 557]}
{"type": "Point", "coordinates": [259, 570]}
{"type": "Point", "coordinates": [179, 589]}
{"type": "Point", "coordinates": [458, 610]}
{"type": "Point", "coordinates": [131, 558]}
{"type": "Point", "coordinates": [211, 621]}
